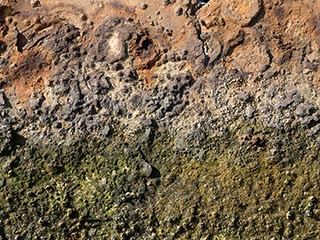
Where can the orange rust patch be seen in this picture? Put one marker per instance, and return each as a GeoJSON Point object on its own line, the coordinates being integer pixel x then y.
{"type": "Point", "coordinates": [146, 69]}
{"type": "Point", "coordinates": [147, 74]}
{"type": "Point", "coordinates": [28, 73]}
{"type": "Point", "coordinates": [146, 55]}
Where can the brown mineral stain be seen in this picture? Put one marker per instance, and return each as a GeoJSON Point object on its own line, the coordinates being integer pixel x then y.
{"type": "Point", "coordinates": [28, 73]}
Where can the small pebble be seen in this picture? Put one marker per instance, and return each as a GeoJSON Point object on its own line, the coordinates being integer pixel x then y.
{"type": "Point", "coordinates": [308, 213]}
{"type": "Point", "coordinates": [144, 6]}
{"type": "Point", "coordinates": [35, 3]}
{"type": "Point", "coordinates": [9, 19]}
{"type": "Point", "coordinates": [250, 112]}
{"type": "Point", "coordinates": [106, 131]}
{"type": "Point", "coordinates": [84, 17]}
{"type": "Point", "coordinates": [146, 169]}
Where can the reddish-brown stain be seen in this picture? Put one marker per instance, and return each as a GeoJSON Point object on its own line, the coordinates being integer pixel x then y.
{"type": "Point", "coordinates": [30, 68]}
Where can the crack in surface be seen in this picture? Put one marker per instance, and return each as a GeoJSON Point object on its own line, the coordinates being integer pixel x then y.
{"type": "Point", "coordinates": [203, 41]}
{"type": "Point", "coordinates": [194, 12]}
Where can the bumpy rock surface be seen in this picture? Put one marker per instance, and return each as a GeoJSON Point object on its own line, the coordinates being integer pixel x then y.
{"type": "Point", "coordinates": [172, 119]}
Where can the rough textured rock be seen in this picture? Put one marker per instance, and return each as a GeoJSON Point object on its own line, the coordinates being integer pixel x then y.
{"type": "Point", "coordinates": [164, 119]}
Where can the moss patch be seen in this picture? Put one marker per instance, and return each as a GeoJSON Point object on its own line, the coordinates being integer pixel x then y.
{"type": "Point", "coordinates": [252, 182]}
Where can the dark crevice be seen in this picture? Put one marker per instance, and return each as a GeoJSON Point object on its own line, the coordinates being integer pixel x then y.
{"type": "Point", "coordinates": [17, 140]}
{"type": "Point", "coordinates": [155, 173]}
{"type": "Point", "coordinates": [3, 234]}
{"type": "Point", "coordinates": [21, 41]}
{"type": "Point", "coordinates": [198, 6]}
{"type": "Point", "coordinates": [3, 47]}
{"type": "Point", "coordinates": [257, 18]}
{"type": "Point", "coordinates": [313, 123]}
{"type": "Point", "coordinates": [270, 57]}
{"type": "Point", "coordinates": [145, 44]}
{"type": "Point", "coordinates": [203, 41]}
{"type": "Point", "coordinates": [5, 101]}
{"type": "Point", "coordinates": [192, 11]}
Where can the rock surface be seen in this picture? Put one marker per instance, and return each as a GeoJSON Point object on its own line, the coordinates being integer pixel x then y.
{"type": "Point", "coordinates": [164, 119]}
